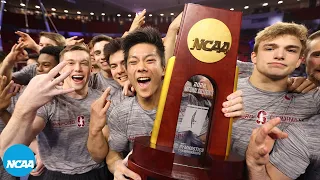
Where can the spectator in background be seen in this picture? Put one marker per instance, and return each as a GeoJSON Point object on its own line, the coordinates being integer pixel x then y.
{"type": "Point", "coordinates": [46, 39]}
{"type": "Point", "coordinates": [95, 67]}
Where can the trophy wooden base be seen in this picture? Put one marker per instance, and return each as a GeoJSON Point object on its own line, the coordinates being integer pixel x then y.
{"type": "Point", "coordinates": [160, 163]}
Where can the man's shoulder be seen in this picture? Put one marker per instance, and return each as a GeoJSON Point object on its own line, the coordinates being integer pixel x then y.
{"type": "Point", "coordinates": [125, 105]}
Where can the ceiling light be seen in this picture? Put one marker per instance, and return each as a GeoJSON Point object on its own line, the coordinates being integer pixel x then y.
{"type": "Point", "coordinates": [150, 15]}
{"type": "Point", "coordinates": [4, 1]}
{"type": "Point", "coordinates": [91, 13]}
{"type": "Point", "coordinates": [78, 12]}
{"type": "Point", "coordinates": [231, 9]}
{"type": "Point", "coordinates": [280, 2]}
{"type": "Point", "coordinates": [5, 10]}
{"type": "Point", "coordinates": [172, 14]}
{"type": "Point", "coordinates": [53, 14]}
{"type": "Point", "coordinates": [265, 4]}
{"type": "Point", "coordinates": [161, 14]}
{"type": "Point", "coordinates": [246, 7]}
{"type": "Point", "coordinates": [53, 9]}
{"type": "Point", "coordinates": [103, 14]}
{"type": "Point", "coordinates": [129, 15]}
{"type": "Point", "coordinates": [118, 15]}
{"type": "Point", "coordinates": [66, 11]}
{"type": "Point", "coordinates": [38, 7]}
{"type": "Point", "coordinates": [23, 5]}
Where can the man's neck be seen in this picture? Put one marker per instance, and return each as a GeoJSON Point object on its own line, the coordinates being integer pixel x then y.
{"type": "Point", "coordinates": [265, 83]}
{"type": "Point", "coordinates": [106, 74]}
{"type": "Point", "coordinates": [150, 103]}
{"type": "Point", "coordinates": [78, 94]}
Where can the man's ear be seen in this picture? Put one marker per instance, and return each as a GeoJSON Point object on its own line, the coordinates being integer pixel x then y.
{"type": "Point", "coordinates": [254, 57]}
{"type": "Point", "coordinates": [299, 62]}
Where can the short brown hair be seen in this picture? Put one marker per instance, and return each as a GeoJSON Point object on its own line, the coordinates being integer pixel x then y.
{"type": "Point", "coordinates": [312, 37]}
{"type": "Point", "coordinates": [58, 38]}
{"type": "Point", "coordinates": [74, 48]}
{"type": "Point", "coordinates": [280, 29]}
{"type": "Point", "coordinates": [99, 38]}
{"type": "Point", "coordinates": [114, 46]}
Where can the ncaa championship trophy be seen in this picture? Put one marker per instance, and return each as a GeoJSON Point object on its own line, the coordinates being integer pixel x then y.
{"type": "Point", "coordinates": [191, 137]}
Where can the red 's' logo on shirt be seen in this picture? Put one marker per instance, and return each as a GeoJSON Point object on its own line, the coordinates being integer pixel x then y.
{"type": "Point", "coordinates": [81, 121]}
{"type": "Point", "coordinates": [262, 117]}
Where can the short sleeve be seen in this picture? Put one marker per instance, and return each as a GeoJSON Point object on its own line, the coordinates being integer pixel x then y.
{"type": "Point", "coordinates": [291, 155]}
{"type": "Point", "coordinates": [24, 76]}
{"type": "Point", "coordinates": [117, 138]}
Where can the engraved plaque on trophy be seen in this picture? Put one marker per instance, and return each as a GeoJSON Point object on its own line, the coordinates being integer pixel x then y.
{"type": "Point", "coordinates": [191, 136]}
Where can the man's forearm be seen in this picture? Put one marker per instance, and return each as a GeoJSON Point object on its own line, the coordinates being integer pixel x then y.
{"type": "Point", "coordinates": [169, 43]}
{"type": "Point", "coordinates": [17, 131]}
{"type": "Point", "coordinates": [34, 146]}
{"type": "Point", "coordinates": [5, 116]}
{"type": "Point", "coordinates": [258, 173]}
{"type": "Point", "coordinates": [97, 146]}
{"type": "Point", "coordinates": [111, 158]}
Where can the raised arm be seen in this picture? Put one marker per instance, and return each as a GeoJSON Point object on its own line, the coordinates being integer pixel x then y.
{"type": "Point", "coordinates": [170, 39]}
{"type": "Point", "coordinates": [260, 146]}
{"type": "Point", "coordinates": [98, 131]}
{"type": "Point", "coordinates": [16, 54]}
{"type": "Point", "coordinates": [23, 126]}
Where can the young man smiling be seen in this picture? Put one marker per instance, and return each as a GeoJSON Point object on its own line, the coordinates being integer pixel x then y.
{"type": "Point", "coordinates": [133, 117]}
{"type": "Point", "coordinates": [62, 125]}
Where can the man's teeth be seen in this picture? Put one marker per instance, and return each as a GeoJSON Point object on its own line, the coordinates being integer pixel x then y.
{"type": "Point", "coordinates": [143, 79]}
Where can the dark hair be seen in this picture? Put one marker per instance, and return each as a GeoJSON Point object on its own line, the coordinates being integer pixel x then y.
{"type": "Point", "coordinates": [33, 56]}
{"type": "Point", "coordinates": [2, 56]}
{"type": "Point", "coordinates": [114, 46]}
{"type": "Point", "coordinates": [147, 35]}
{"type": "Point", "coordinates": [99, 38]}
{"type": "Point", "coordinates": [53, 51]}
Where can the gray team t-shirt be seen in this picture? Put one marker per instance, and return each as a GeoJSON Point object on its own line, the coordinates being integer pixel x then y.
{"type": "Point", "coordinates": [300, 152]}
{"type": "Point", "coordinates": [63, 141]}
{"type": "Point", "coordinates": [261, 106]}
{"type": "Point", "coordinates": [245, 69]}
{"type": "Point", "coordinates": [25, 74]}
{"type": "Point", "coordinates": [129, 120]}
{"type": "Point", "coordinates": [99, 82]}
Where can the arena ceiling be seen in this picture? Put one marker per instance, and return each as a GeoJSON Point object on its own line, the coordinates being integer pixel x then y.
{"type": "Point", "coordinates": [165, 7]}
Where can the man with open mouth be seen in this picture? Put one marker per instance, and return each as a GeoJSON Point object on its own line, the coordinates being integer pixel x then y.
{"type": "Point", "coordinates": [134, 116]}
{"type": "Point", "coordinates": [62, 125]}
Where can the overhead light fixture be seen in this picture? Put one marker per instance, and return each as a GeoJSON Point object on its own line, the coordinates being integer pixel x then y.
{"type": "Point", "coordinates": [103, 14]}
{"type": "Point", "coordinates": [150, 15]}
{"type": "Point", "coordinates": [231, 9]}
{"type": "Point", "coordinates": [280, 2]}
{"type": "Point", "coordinates": [161, 14]}
{"type": "Point", "coordinates": [91, 13]}
{"type": "Point", "coordinates": [5, 10]}
{"type": "Point", "coordinates": [36, 6]}
{"type": "Point", "coordinates": [3, 1]}
{"type": "Point", "coordinates": [246, 7]}
{"type": "Point", "coordinates": [265, 4]}
{"type": "Point", "coordinates": [23, 5]}
{"type": "Point", "coordinates": [66, 11]}
{"type": "Point", "coordinates": [78, 12]}
{"type": "Point", "coordinates": [129, 15]}
{"type": "Point", "coordinates": [53, 9]}
{"type": "Point", "coordinates": [172, 14]}
{"type": "Point", "coordinates": [53, 14]}
{"type": "Point", "coordinates": [118, 15]}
